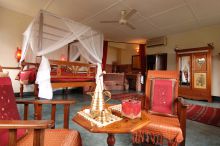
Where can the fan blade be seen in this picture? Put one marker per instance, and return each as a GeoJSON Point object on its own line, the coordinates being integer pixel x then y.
{"type": "Point", "coordinates": [113, 21]}
{"type": "Point", "coordinates": [130, 13]}
{"type": "Point", "coordinates": [130, 26]}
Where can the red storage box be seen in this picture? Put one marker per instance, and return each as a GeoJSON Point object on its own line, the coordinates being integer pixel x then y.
{"type": "Point", "coordinates": [131, 108]}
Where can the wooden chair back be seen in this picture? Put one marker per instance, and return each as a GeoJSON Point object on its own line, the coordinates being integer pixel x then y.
{"type": "Point", "coordinates": [38, 108]}
{"type": "Point", "coordinates": [162, 75]}
{"type": "Point", "coordinates": [11, 127]}
{"type": "Point", "coordinates": [180, 106]}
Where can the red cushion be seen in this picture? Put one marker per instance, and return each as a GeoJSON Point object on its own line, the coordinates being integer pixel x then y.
{"type": "Point", "coordinates": [24, 75]}
{"type": "Point", "coordinates": [8, 109]}
{"type": "Point", "coordinates": [28, 75]}
{"type": "Point", "coordinates": [162, 96]}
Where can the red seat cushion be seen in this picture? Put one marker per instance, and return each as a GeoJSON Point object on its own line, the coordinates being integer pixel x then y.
{"type": "Point", "coordinates": [8, 109]}
{"type": "Point", "coordinates": [28, 76]}
{"type": "Point", "coordinates": [162, 96]}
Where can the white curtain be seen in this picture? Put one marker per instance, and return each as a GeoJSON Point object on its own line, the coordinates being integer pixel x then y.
{"type": "Point", "coordinates": [74, 52]}
{"type": "Point", "coordinates": [48, 33]}
{"type": "Point", "coordinates": [43, 79]}
{"type": "Point", "coordinates": [26, 39]}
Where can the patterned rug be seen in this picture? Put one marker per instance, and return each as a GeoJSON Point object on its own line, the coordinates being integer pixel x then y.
{"type": "Point", "coordinates": [204, 114]}
{"type": "Point", "coordinates": [121, 96]}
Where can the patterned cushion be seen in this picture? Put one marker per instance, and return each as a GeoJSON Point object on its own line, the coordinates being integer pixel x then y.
{"type": "Point", "coordinates": [27, 76]}
{"type": "Point", "coordinates": [162, 96]}
{"type": "Point", "coordinates": [8, 109]}
{"type": "Point", "coordinates": [54, 137]}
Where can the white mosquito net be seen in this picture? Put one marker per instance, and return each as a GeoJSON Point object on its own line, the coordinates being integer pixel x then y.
{"type": "Point", "coordinates": [48, 33]}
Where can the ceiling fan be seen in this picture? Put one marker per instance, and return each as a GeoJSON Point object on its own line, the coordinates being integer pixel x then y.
{"type": "Point", "coordinates": [123, 19]}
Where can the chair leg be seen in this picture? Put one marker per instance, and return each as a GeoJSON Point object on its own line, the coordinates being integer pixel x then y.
{"type": "Point", "coordinates": [36, 91]}
{"type": "Point", "coordinates": [66, 91]}
{"type": "Point", "coordinates": [12, 137]}
{"type": "Point", "coordinates": [38, 137]}
{"type": "Point", "coordinates": [182, 143]}
{"type": "Point", "coordinates": [21, 90]}
{"type": "Point", "coordinates": [172, 144]}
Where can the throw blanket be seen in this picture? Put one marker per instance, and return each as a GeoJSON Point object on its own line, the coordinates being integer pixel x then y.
{"type": "Point", "coordinates": [160, 127]}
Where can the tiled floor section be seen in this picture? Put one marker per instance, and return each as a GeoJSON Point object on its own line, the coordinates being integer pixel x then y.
{"type": "Point", "coordinates": [198, 134]}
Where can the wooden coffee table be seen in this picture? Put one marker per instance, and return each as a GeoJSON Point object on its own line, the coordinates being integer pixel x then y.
{"type": "Point", "coordinates": [123, 126]}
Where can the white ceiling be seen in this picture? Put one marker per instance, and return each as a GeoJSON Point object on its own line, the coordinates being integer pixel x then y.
{"type": "Point", "coordinates": [153, 17]}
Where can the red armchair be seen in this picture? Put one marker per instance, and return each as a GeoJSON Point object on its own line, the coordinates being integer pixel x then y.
{"type": "Point", "coordinates": [14, 131]}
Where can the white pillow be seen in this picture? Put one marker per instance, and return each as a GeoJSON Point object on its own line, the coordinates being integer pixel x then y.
{"type": "Point", "coordinates": [3, 74]}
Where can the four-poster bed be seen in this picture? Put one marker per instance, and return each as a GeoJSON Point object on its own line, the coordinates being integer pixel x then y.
{"type": "Point", "coordinates": [63, 74]}
{"type": "Point", "coordinates": [48, 33]}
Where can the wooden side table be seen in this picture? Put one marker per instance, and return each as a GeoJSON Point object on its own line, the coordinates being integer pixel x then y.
{"type": "Point", "coordinates": [120, 127]}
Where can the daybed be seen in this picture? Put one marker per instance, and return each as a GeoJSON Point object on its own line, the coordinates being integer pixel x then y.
{"type": "Point", "coordinates": [63, 74]}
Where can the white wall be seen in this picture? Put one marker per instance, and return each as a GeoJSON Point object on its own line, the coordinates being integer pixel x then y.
{"type": "Point", "coordinates": [12, 25]}
{"type": "Point", "coordinates": [112, 55]}
{"type": "Point", "coordinates": [126, 55]}
{"type": "Point", "coordinates": [192, 39]}
{"type": "Point", "coordinates": [121, 53]}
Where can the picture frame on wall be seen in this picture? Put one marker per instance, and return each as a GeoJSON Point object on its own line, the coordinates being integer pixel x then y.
{"type": "Point", "coordinates": [200, 80]}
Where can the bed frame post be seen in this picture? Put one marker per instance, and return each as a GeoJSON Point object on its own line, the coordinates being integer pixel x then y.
{"type": "Point", "coordinates": [68, 52]}
{"type": "Point", "coordinates": [41, 23]}
{"type": "Point", "coordinates": [21, 85]}
{"type": "Point", "coordinates": [40, 30]}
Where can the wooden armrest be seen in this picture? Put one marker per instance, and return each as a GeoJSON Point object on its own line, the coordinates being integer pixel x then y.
{"type": "Point", "coordinates": [39, 127]}
{"type": "Point", "coordinates": [182, 103]}
{"type": "Point", "coordinates": [181, 108]}
{"type": "Point", "coordinates": [30, 124]}
{"type": "Point", "coordinates": [58, 101]}
{"type": "Point", "coordinates": [19, 101]}
{"type": "Point", "coordinates": [181, 111]}
{"type": "Point", "coordinates": [54, 101]}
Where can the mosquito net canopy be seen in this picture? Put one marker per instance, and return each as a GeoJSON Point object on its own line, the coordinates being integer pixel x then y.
{"type": "Point", "coordinates": [48, 33]}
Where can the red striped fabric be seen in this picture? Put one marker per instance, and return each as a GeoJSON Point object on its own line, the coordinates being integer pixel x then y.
{"type": "Point", "coordinates": [204, 114]}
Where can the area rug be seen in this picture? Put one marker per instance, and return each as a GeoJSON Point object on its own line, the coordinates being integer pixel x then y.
{"type": "Point", "coordinates": [204, 114]}
{"type": "Point", "coordinates": [121, 96]}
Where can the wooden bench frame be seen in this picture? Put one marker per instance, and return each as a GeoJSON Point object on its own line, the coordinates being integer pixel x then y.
{"type": "Point", "coordinates": [74, 67]}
